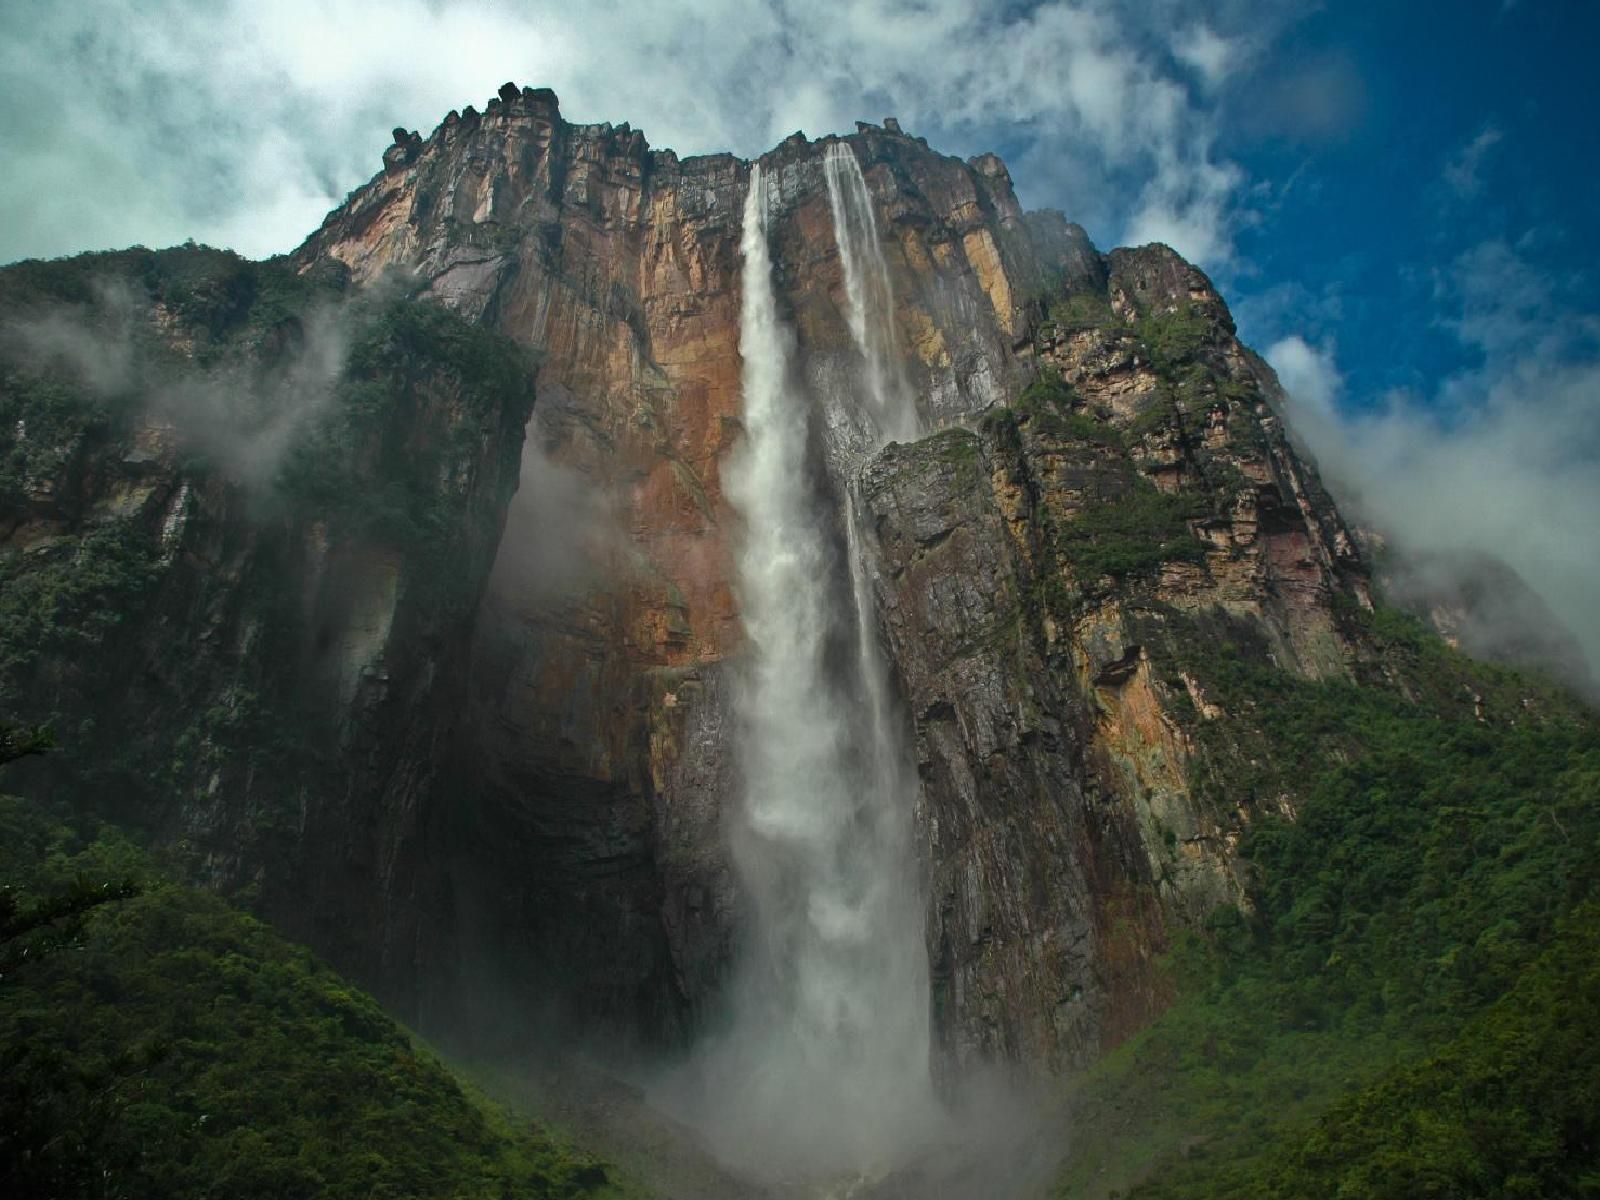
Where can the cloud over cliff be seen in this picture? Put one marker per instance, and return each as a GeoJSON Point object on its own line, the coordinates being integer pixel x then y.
{"type": "Point", "coordinates": [1502, 459]}
{"type": "Point", "coordinates": [242, 124]}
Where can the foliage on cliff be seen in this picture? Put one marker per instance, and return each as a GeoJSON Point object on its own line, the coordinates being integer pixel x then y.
{"type": "Point", "coordinates": [155, 1041]}
{"type": "Point", "coordinates": [1418, 898]}
{"type": "Point", "coordinates": [1134, 527]}
{"type": "Point", "coordinates": [189, 441]}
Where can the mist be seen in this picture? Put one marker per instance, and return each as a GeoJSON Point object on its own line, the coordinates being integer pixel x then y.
{"type": "Point", "coordinates": [243, 416]}
{"type": "Point", "coordinates": [563, 533]}
{"type": "Point", "coordinates": [1508, 471]}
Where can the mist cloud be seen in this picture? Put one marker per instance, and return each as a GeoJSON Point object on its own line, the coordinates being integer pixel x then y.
{"type": "Point", "coordinates": [243, 415]}
{"type": "Point", "coordinates": [1504, 460]}
{"type": "Point", "coordinates": [563, 534]}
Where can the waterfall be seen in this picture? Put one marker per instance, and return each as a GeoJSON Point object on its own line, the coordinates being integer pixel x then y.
{"type": "Point", "coordinates": [824, 1069]}
{"type": "Point", "coordinates": [870, 297]}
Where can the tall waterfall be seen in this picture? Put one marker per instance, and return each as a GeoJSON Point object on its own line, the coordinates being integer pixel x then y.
{"type": "Point", "coordinates": [870, 297]}
{"type": "Point", "coordinates": [824, 1069]}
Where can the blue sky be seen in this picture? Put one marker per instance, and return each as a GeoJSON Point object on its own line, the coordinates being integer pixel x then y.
{"type": "Point", "coordinates": [1397, 198]}
{"type": "Point", "coordinates": [1466, 122]}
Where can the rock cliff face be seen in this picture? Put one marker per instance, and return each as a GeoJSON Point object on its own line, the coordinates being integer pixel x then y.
{"type": "Point", "coordinates": [247, 521]}
{"type": "Point", "coordinates": [537, 781]}
{"type": "Point", "coordinates": [1043, 579]}
{"type": "Point", "coordinates": [1061, 832]}
{"type": "Point", "coordinates": [599, 715]}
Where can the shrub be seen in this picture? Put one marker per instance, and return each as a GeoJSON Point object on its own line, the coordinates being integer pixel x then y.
{"type": "Point", "coordinates": [1132, 535]}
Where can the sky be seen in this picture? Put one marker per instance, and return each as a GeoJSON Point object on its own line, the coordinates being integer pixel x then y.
{"type": "Point", "coordinates": [1397, 199]}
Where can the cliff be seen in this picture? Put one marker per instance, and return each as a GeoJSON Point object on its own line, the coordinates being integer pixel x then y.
{"type": "Point", "coordinates": [248, 518]}
{"type": "Point", "coordinates": [483, 791]}
{"type": "Point", "coordinates": [1061, 833]}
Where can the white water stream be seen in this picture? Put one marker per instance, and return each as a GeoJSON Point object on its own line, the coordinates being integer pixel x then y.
{"type": "Point", "coordinates": [870, 297]}
{"type": "Point", "coordinates": [824, 1071]}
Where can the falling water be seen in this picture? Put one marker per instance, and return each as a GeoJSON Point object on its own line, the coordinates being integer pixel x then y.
{"type": "Point", "coordinates": [825, 1069]}
{"type": "Point", "coordinates": [870, 297]}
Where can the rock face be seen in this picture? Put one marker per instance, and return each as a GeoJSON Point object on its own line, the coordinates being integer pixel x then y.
{"type": "Point", "coordinates": [599, 703]}
{"type": "Point", "coordinates": [532, 788]}
{"type": "Point", "coordinates": [1061, 835]}
{"type": "Point", "coordinates": [1041, 579]}
{"type": "Point", "coordinates": [247, 523]}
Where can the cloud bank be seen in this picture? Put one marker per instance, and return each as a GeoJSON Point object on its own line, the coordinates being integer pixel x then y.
{"type": "Point", "coordinates": [241, 124]}
{"type": "Point", "coordinates": [1503, 459]}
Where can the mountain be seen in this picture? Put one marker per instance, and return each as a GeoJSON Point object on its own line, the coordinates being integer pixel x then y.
{"type": "Point", "coordinates": [621, 265]}
{"type": "Point", "coordinates": [270, 577]}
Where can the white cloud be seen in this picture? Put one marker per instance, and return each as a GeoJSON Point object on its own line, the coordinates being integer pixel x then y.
{"type": "Point", "coordinates": [1504, 459]}
{"type": "Point", "coordinates": [241, 123]}
{"type": "Point", "coordinates": [1207, 54]}
{"type": "Point", "coordinates": [1464, 172]}
{"type": "Point", "coordinates": [1309, 374]}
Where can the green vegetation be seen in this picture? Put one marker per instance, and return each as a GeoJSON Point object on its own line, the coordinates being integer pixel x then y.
{"type": "Point", "coordinates": [1510, 1107]}
{"type": "Point", "coordinates": [378, 440]}
{"type": "Point", "coordinates": [1161, 414]}
{"type": "Point", "coordinates": [154, 1041]}
{"type": "Point", "coordinates": [1173, 338]}
{"type": "Point", "coordinates": [1081, 310]}
{"type": "Point", "coordinates": [371, 463]}
{"type": "Point", "coordinates": [64, 599]}
{"type": "Point", "coordinates": [1124, 535]}
{"type": "Point", "coordinates": [224, 303]}
{"type": "Point", "coordinates": [54, 416]}
{"type": "Point", "coordinates": [1132, 535]}
{"type": "Point", "coordinates": [1051, 406]}
{"type": "Point", "coordinates": [1386, 1019]}
{"type": "Point", "coordinates": [1224, 480]}
{"type": "Point", "coordinates": [375, 443]}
